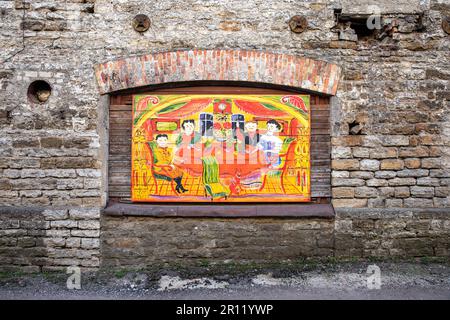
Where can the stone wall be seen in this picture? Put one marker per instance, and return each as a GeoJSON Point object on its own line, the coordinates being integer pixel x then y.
{"type": "Point", "coordinates": [143, 241]}
{"type": "Point", "coordinates": [390, 116]}
{"type": "Point", "coordinates": [392, 233]}
{"type": "Point", "coordinates": [38, 239]}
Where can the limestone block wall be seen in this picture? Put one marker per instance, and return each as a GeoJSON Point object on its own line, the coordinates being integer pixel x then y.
{"type": "Point", "coordinates": [139, 242]}
{"type": "Point", "coordinates": [390, 115]}
{"type": "Point", "coordinates": [392, 233]}
{"type": "Point", "coordinates": [40, 239]}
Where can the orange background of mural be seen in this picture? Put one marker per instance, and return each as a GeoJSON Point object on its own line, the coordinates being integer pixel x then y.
{"type": "Point", "coordinates": [221, 148]}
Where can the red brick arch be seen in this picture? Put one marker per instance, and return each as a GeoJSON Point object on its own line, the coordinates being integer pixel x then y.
{"type": "Point", "coordinates": [220, 65]}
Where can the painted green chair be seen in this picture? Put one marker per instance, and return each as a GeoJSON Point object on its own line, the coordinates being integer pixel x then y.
{"type": "Point", "coordinates": [211, 179]}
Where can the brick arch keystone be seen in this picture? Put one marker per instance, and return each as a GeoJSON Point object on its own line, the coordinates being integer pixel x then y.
{"type": "Point", "coordinates": [220, 65]}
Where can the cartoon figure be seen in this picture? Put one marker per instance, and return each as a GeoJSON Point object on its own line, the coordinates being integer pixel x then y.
{"type": "Point", "coordinates": [187, 141]}
{"type": "Point", "coordinates": [163, 160]}
{"type": "Point", "coordinates": [270, 144]}
{"type": "Point", "coordinates": [251, 136]}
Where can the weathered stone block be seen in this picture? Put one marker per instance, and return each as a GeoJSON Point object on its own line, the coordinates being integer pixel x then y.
{"type": "Point", "coordinates": [77, 143]}
{"type": "Point", "coordinates": [394, 203]}
{"type": "Point", "coordinates": [26, 242]}
{"type": "Point", "coordinates": [376, 202]}
{"type": "Point", "coordinates": [412, 173]}
{"type": "Point", "coordinates": [417, 203]}
{"type": "Point", "coordinates": [54, 242]}
{"type": "Point", "coordinates": [341, 152]}
{"type": "Point", "coordinates": [11, 173]}
{"type": "Point", "coordinates": [92, 183]}
{"type": "Point", "coordinates": [369, 165]}
{"type": "Point", "coordinates": [60, 173]}
{"type": "Point", "coordinates": [51, 142]}
{"type": "Point", "coordinates": [32, 173]}
{"type": "Point", "coordinates": [349, 203]}
{"type": "Point", "coordinates": [387, 191]}
{"type": "Point", "coordinates": [385, 174]}
{"type": "Point", "coordinates": [69, 224]}
{"type": "Point", "coordinates": [88, 243]}
{"type": "Point", "coordinates": [435, 173]}
{"type": "Point", "coordinates": [402, 182]}
{"type": "Point", "coordinates": [435, 151]}
{"type": "Point", "coordinates": [60, 233]}
{"type": "Point", "coordinates": [30, 193]}
{"type": "Point", "coordinates": [362, 174]}
{"type": "Point", "coordinates": [76, 162]}
{"type": "Point", "coordinates": [73, 242]}
{"type": "Point", "coordinates": [442, 191]}
{"type": "Point", "coordinates": [377, 183]}
{"type": "Point", "coordinates": [343, 182]}
{"type": "Point", "coordinates": [18, 163]}
{"type": "Point", "coordinates": [360, 152]}
{"type": "Point", "coordinates": [389, 141]}
{"type": "Point", "coordinates": [422, 192]}
{"type": "Point", "coordinates": [84, 213]}
{"type": "Point", "coordinates": [26, 143]}
{"type": "Point", "coordinates": [340, 174]}
{"type": "Point", "coordinates": [8, 194]}
{"type": "Point", "coordinates": [343, 192]}
{"type": "Point", "coordinates": [85, 233]}
{"type": "Point", "coordinates": [348, 164]}
{"type": "Point", "coordinates": [89, 224]}
{"type": "Point", "coordinates": [383, 153]}
{"type": "Point", "coordinates": [347, 141]}
{"type": "Point", "coordinates": [89, 173]}
{"type": "Point", "coordinates": [402, 192]}
{"type": "Point", "coordinates": [55, 214]}
{"type": "Point", "coordinates": [392, 164]}
{"type": "Point", "coordinates": [412, 163]}
{"type": "Point", "coordinates": [69, 184]}
{"type": "Point", "coordinates": [441, 202]}
{"type": "Point", "coordinates": [414, 152]}
{"type": "Point", "coordinates": [431, 163]}
{"type": "Point", "coordinates": [427, 181]}
{"type": "Point", "coordinates": [366, 192]}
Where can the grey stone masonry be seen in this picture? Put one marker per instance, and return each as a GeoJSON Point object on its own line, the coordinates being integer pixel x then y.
{"type": "Point", "coordinates": [390, 128]}
{"type": "Point", "coordinates": [39, 239]}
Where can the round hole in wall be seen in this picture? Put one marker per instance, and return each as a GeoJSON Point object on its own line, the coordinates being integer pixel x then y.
{"type": "Point", "coordinates": [298, 24]}
{"type": "Point", "coordinates": [141, 23]}
{"type": "Point", "coordinates": [39, 91]}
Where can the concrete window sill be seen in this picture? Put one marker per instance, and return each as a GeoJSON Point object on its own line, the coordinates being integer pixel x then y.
{"type": "Point", "coordinates": [300, 210]}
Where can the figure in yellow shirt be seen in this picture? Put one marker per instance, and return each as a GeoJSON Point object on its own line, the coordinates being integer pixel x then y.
{"type": "Point", "coordinates": [163, 162]}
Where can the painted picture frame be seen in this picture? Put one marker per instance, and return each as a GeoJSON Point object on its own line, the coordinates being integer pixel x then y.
{"type": "Point", "coordinates": [221, 148]}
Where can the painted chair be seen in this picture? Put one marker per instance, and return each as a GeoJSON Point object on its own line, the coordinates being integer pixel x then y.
{"type": "Point", "coordinates": [211, 179]}
{"type": "Point", "coordinates": [286, 155]}
{"type": "Point", "coordinates": [151, 163]}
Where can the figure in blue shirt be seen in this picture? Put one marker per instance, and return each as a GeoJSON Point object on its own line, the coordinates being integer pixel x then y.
{"type": "Point", "coordinates": [270, 144]}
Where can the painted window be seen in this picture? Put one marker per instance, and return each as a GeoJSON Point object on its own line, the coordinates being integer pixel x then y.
{"type": "Point", "coordinates": [237, 122]}
{"type": "Point", "coordinates": [207, 159]}
{"type": "Point", "coordinates": [206, 124]}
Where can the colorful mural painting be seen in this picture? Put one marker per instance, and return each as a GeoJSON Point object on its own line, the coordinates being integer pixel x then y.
{"type": "Point", "coordinates": [221, 148]}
